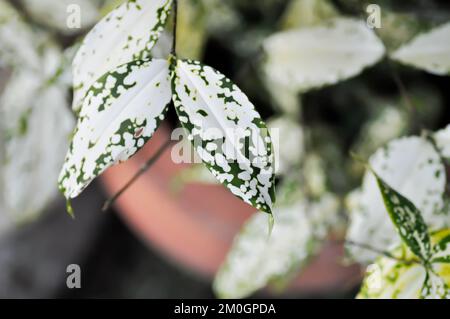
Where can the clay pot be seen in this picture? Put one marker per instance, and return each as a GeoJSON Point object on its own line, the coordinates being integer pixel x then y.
{"type": "Point", "coordinates": [195, 226]}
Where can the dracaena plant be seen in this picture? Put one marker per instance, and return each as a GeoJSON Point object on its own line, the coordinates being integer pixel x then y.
{"type": "Point", "coordinates": [122, 94]}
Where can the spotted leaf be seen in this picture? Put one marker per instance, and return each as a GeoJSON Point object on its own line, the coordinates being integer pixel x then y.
{"type": "Point", "coordinates": [226, 131]}
{"type": "Point", "coordinates": [428, 51]}
{"type": "Point", "coordinates": [407, 219]}
{"type": "Point", "coordinates": [434, 287]}
{"type": "Point", "coordinates": [441, 250]}
{"type": "Point", "coordinates": [120, 113]}
{"type": "Point", "coordinates": [404, 277]}
{"type": "Point", "coordinates": [411, 166]}
{"type": "Point", "coordinates": [128, 33]}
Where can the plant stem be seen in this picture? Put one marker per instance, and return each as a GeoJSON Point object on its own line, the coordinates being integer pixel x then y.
{"type": "Point", "coordinates": [406, 98]}
{"type": "Point", "coordinates": [147, 165]}
{"type": "Point", "coordinates": [379, 251]}
{"type": "Point", "coordinates": [175, 18]}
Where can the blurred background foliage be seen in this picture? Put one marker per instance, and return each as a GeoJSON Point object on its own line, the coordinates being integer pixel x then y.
{"type": "Point", "coordinates": [323, 125]}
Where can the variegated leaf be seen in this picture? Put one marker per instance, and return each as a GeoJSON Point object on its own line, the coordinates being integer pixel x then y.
{"type": "Point", "coordinates": [17, 39]}
{"type": "Point", "coordinates": [313, 57]}
{"type": "Point", "coordinates": [227, 132]}
{"type": "Point", "coordinates": [119, 114]}
{"type": "Point", "coordinates": [434, 287]}
{"type": "Point", "coordinates": [441, 250]}
{"type": "Point", "coordinates": [257, 259]}
{"type": "Point", "coordinates": [128, 33]}
{"type": "Point", "coordinates": [429, 51]}
{"type": "Point", "coordinates": [413, 167]}
{"type": "Point", "coordinates": [407, 219]}
{"type": "Point", "coordinates": [35, 123]}
{"type": "Point", "coordinates": [405, 277]}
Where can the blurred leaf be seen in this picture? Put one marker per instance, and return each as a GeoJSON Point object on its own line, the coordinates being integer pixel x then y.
{"type": "Point", "coordinates": [35, 123]}
{"type": "Point", "coordinates": [386, 123]}
{"type": "Point", "coordinates": [257, 259]}
{"type": "Point", "coordinates": [313, 57]}
{"type": "Point", "coordinates": [235, 145]}
{"type": "Point", "coordinates": [128, 33]}
{"type": "Point", "coordinates": [307, 13]}
{"type": "Point", "coordinates": [287, 138]}
{"type": "Point", "coordinates": [18, 41]}
{"type": "Point", "coordinates": [398, 28]}
{"type": "Point", "coordinates": [429, 51]}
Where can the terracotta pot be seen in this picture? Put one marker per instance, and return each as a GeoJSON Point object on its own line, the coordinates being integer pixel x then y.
{"type": "Point", "coordinates": [195, 226]}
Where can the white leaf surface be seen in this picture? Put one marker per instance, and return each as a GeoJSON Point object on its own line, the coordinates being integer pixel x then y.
{"type": "Point", "coordinates": [313, 57]}
{"type": "Point", "coordinates": [414, 169]}
{"type": "Point", "coordinates": [256, 258]}
{"type": "Point", "coordinates": [288, 143]}
{"type": "Point", "coordinates": [128, 33]}
{"type": "Point", "coordinates": [228, 133]}
{"type": "Point", "coordinates": [120, 112]}
{"type": "Point", "coordinates": [35, 124]}
{"type": "Point", "coordinates": [428, 51]}
{"type": "Point", "coordinates": [16, 38]}
{"type": "Point", "coordinates": [442, 139]}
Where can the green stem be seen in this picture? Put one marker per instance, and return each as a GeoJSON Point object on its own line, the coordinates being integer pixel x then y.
{"type": "Point", "coordinates": [175, 18]}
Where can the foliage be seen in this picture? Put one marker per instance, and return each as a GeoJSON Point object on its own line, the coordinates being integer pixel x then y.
{"type": "Point", "coordinates": [313, 69]}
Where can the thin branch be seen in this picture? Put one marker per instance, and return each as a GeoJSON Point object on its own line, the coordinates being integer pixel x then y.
{"type": "Point", "coordinates": [175, 18]}
{"type": "Point", "coordinates": [148, 164]}
{"type": "Point", "coordinates": [379, 251]}
{"type": "Point", "coordinates": [406, 98]}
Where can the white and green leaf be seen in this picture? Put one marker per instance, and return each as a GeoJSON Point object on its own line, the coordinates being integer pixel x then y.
{"type": "Point", "coordinates": [257, 258]}
{"type": "Point", "coordinates": [407, 219]}
{"type": "Point", "coordinates": [226, 130]}
{"type": "Point", "coordinates": [434, 287]}
{"type": "Point", "coordinates": [404, 277]}
{"type": "Point", "coordinates": [429, 51]}
{"type": "Point", "coordinates": [120, 112]}
{"type": "Point", "coordinates": [35, 123]}
{"type": "Point", "coordinates": [18, 41]}
{"type": "Point", "coordinates": [411, 166]}
{"type": "Point", "coordinates": [128, 33]}
{"type": "Point", "coordinates": [322, 55]}
{"type": "Point", "coordinates": [441, 250]}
